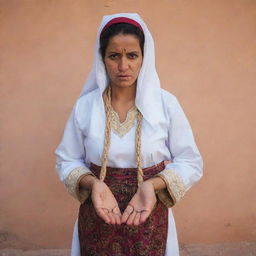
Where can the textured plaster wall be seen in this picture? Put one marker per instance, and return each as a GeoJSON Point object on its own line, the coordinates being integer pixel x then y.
{"type": "Point", "coordinates": [206, 56]}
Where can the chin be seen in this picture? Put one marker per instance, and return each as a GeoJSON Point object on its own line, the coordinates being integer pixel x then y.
{"type": "Point", "coordinates": [123, 84]}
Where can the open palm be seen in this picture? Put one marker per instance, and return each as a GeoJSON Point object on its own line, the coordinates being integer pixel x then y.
{"type": "Point", "coordinates": [105, 203]}
{"type": "Point", "coordinates": [141, 205]}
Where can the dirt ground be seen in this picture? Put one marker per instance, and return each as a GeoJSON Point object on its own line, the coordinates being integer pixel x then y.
{"type": "Point", "coordinates": [230, 249]}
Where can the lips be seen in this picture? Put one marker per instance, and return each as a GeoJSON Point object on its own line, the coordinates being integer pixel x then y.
{"type": "Point", "coordinates": [124, 77]}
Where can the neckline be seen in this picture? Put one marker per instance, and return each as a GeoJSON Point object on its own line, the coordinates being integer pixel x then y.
{"type": "Point", "coordinates": [131, 110]}
{"type": "Point", "coordinates": [123, 128]}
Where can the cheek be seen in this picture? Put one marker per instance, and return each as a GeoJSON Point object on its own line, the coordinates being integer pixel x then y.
{"type": "Point", "coordinates": [138, 67]}
{"type": "Point", "coordinates": [109, 68]}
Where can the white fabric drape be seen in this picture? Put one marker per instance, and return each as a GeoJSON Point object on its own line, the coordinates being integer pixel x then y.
{"type": "Point", "coordinates": [148, 95]}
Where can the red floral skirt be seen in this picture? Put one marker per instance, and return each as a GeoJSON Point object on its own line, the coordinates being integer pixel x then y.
{"type": "Point", "coordinates": [100, 239]}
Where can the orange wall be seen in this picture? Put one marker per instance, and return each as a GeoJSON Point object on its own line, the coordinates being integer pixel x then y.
{"type": "Point", "coordinates": [206, 56]}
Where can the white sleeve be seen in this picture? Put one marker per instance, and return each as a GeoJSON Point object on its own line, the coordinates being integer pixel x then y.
{"type": "Point", "coordinates": [70, 158]}
{"type": "Point", "coordinates": [186, 166]}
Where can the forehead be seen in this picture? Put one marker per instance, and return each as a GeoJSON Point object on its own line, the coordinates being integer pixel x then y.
{"type": "Point", "coordinates": [122, 42]}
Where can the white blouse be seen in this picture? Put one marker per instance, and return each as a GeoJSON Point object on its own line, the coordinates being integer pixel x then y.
{"type": "Point", "coordinates": [171, 140]}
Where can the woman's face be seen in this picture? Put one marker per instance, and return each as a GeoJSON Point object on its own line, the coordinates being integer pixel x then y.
{"type": "Point", "coordinates": [123, 60]}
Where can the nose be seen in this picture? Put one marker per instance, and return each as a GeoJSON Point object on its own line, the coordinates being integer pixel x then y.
{"type": "Point", "coordinates": [123, 64]}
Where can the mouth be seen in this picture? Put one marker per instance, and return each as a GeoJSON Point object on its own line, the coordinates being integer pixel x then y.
{"type": "Point", "coordinates": [124, 77]}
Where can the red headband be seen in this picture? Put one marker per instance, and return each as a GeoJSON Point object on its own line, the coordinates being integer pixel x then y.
{"type": "Point", "coordinates": [121, 20]}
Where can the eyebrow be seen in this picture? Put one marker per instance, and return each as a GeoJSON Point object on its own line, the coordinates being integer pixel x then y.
{"type": "Point", "coordinates": [112, 52]}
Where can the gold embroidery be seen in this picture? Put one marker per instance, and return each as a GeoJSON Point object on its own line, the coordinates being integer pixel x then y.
{"type": "Point", "coordinates": [175, 187]}
{"type": "Point", "coordinates": [122, 128]}
{"type": "Point", "coordinates": [164, 196]}
{"type": "Point", "coordinates": [72, 183]}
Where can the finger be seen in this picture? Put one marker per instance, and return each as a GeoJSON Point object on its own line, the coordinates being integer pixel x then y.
{"type": "Point", "coordinates": [117, 215]}
{"type": "Point", "coordinates": [102, 214]}
{"type": "Point", "coordinates": [117, 219]}
{"type": "Point", "coordinates": [130, 220]}
{"type": "Point", "coordinates": [137, 219]}
{"type": "Point", "coordinates": [144, 215]}
{"type": "Point", "coordinates": [126, 213]}
{"type": "Point", "coordinates": [112, 218]}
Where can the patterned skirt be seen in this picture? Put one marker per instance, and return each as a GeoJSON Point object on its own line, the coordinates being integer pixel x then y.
{"type": "Point", "coordinates": [100, 239]}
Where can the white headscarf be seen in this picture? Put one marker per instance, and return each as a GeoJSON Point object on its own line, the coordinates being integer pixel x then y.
{"type": "Point", "coordinates": [148, 95]}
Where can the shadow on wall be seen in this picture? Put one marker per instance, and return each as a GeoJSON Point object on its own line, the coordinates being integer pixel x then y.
{"type": "Point", "coordinates": [10, 240]}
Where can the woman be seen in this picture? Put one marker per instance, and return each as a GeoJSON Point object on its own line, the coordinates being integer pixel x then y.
{"type": "Point", "coordinates": [128, 152]}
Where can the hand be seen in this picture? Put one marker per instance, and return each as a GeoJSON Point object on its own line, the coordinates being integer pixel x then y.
{"type": "Point", "coordinates": [141, 205]}
{"type": "Point", "coordinates": [105, 203]}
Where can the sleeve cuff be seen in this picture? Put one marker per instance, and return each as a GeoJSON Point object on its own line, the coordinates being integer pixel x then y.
{"type": "Point", "coordinates": [72, 183]}
{"type": "Point", "coordinates": [175, 188]}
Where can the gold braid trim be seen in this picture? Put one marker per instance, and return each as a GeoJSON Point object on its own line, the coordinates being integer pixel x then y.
{"type": "Point", "coordinates": [72, 183]}
{"type": "Point", "coordinates": [174, 185]}
{"type": "Point", "coordinates": [122, 128]}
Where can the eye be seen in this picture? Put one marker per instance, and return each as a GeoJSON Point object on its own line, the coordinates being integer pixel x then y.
{"type": "Point", "coordinates": [113, 56]}
{"type": "Point", "coordinates": [132, 55]}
